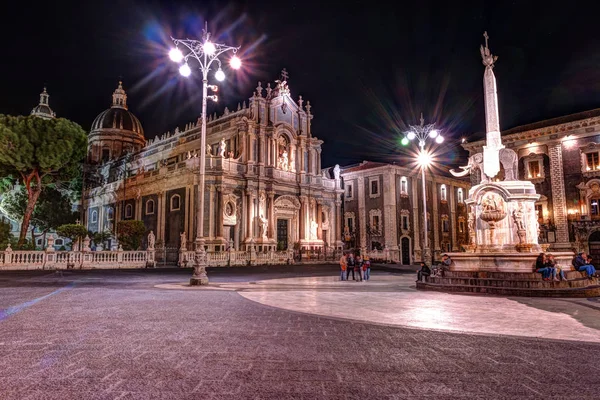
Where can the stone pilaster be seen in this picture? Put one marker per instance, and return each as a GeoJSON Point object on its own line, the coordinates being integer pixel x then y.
{"type": "Point", "coordinates": [390, 221]}
{"type": "Point", "coordinates": [272, 234]}
{"type": "Point", "coordinates": [160, 234]}
{"type": "Point", "coordinates": [338, 219]}
{"type": "Point", "coordinates": [319, 221]}
{"type": "Point", "coordinates": [453, 224]}
{"type": "Point", "coordinates": [435, 218]}
{"type": "Point", "coordinates": [559, 200]}
{"type": "Point", "coordinates": [416, 225]}
{"type": "Point", "coordinates": [362, 213]}
{"type": "Point", "coordinates": [211, 211]}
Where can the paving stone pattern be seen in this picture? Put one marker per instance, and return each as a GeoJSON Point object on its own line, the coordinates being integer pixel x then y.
{"type": "Point", "coordinates": [113, 335]}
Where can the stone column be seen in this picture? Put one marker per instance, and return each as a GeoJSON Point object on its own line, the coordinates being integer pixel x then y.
{"type": "Point", "coordinates": [338, 219]}
{"type": "Point", "coordinates": [271, 230]}
{"type": "Point", "coordinates": [160, 234]}
{"type": "Point", "coordinates": [219, 212]}
{"type": "Point", "coordinates": [186, 217]}
{"type": "Point", "coordinates": [435, 218]}
{"type": "Point", "coordinates": [453, 224]}
{"type": "Point", "coordinates": [211, 211]}
{"type": "Point", "coordinates": [362, 214]}
{"type": "Point", "coordinates": [292, 158]}
{"type": "Point", "coordinates": [302, 218]}
{"type": "Point", "coordinates": [249, 214]}
{"type": "Point", "coordinates": [319, 220]}
{"type": "Point", "coordinates": [417, 216]}
{"type": "Point", "coordinates": [138, 208]}
{"type": "Point", "coordinates": [390, 218]}
{"type": "Point", "coordinates": [559, 201]}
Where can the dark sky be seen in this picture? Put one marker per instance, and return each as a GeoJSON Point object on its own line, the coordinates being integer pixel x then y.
{"type": "Point", "coordinates": [368, 68]}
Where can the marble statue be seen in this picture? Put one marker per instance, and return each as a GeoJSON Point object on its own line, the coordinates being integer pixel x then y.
{"type": "Point", "coordinates": [518, 219]}
{"type": "Point", "coordinates": [222, 148]}
{"type": "Point", "coordinates": [285, 160]}
{"type": "Point", "coordinates": [151, 240]}
{"type": "Point", "coordinates": [263, 226]}
{"type": "Point", "coordinates": [336, 172]}
{"type": "Point", "coordinates": [208, 150]}
{"type": "Point", "coordinates": [491, 203]}
{"type": "Point", "coordinates": [183, 239]}
{"type": "Point", "coordinates": [313, 229]}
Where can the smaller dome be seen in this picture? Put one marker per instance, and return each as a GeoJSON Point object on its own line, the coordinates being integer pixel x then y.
{"type": "Point", "coordinates": [43, 109]}
{"type": "Point", "coordinates": [118, 116]}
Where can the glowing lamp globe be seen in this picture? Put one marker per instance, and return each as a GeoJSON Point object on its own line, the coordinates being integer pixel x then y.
{"type": "Point", "coordinates": [411, 135]}
{"type": "Point", "coordinates": [220, 75]}
{"type": "Point", "coordinates": [404, 141]}
{"type": "Point", "coordinates": [175, 55]}
{"type": "Point", "coordinates": [209, 48]}
{"type": "Point", "coordinates": [439, 139]}
{"type": "Point", "coordinates": [185, 70]}
{"type": "Point", "coordinates": [424, 159]}
{"type": "Point", "coordinates": [235, 62]}
{"type": "Point", "coordinates": [433, 133]}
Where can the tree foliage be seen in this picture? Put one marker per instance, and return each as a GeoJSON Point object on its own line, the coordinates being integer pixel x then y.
{"type": "Point", "coordinates": [5, 236]}
{"type": "Point", "coordinates": [72, 231]}
{"type": "Point", "coordinates": [130, 233]}
{"type": "Point", "coordinates": [39, 152]}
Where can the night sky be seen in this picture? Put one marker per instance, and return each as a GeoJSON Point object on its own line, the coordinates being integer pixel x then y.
{"type": "Point", "coordinates": [368, 68]}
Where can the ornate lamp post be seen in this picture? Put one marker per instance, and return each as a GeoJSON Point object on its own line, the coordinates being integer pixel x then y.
{"type": "Point", "coordinates": [205, 52]}
{"type": "Point", "coordinates": [422, 133]}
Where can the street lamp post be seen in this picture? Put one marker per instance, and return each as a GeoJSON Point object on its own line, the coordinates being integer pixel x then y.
{"type": "Point", "coordinates": [422, 133]}
{"type": "Point", "coordinates": [205, 52]}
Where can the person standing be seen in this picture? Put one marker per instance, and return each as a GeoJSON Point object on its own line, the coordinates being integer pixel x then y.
{"type": "Point", "coordinates": [343, 266]}
{"type": "Point", "coordinates": [367, 268]}
{"type": "Point", "coordinates": [358, 267]}
{"type": "Point", "coordinates": [351, 262]}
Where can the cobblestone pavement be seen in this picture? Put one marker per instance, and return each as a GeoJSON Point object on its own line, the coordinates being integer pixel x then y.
{"type": "Point", "coordinates": [116, 335]}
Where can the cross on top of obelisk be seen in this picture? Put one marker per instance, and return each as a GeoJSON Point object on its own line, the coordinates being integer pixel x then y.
{"type": "Point", "coordinates": [284, 75]}
{"type": "Point", "coordinates": [485, 35]}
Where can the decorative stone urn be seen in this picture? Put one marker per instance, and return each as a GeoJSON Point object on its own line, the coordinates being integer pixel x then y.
{"type": "Point", "coordinates": [493, 211]}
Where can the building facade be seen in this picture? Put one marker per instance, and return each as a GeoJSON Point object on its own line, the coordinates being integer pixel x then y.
{"type": "Point", "coordinates": [383, 209]}
{"type": "Point", "coordinates": [561, 156]}
{"type": "Point", "coordinates": [264, 187]}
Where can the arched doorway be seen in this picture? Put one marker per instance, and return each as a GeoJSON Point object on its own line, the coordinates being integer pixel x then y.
{"type": "Point", "coordinates": [405, 248]}
{"type": "Point", "coordinates": [594, 246]}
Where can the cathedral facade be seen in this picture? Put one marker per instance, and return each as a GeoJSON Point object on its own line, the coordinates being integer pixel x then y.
{"type": "Point", "coordinates": [264, 188]}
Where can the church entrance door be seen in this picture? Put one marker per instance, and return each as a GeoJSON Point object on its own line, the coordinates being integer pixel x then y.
{"type": "Point", "coordinates": [282, 234]}
{"type": "Point", "coordinates": [405, 247]}
{"type": "Point", "coordinates": [594, 245]}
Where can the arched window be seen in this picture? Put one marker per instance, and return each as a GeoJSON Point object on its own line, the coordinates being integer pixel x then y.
{"type": "Point", "coordinates": [128, 211]}
{"type": "Point", "coordinates": [94, 217]}
{"type": "Point", "coordinates": [175, 202]}
{"type": "Point", "coordinates": [105, 154]}
{"type": "Point", "coordinates": [110, 213]}
{"type": "Point", "coordinates": [459, 195]}
{"type": "Point", "coordinates": [149, 207]}
{"type": "Point", "coordinates": [403, 185]}
{"type": "Point", "coordinates": [443, 193]}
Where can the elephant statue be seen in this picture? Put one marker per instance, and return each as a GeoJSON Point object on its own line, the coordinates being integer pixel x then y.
{"type": "Point", "coordinates": [508, 159]}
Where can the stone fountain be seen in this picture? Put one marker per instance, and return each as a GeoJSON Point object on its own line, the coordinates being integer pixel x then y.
{"type": "Point", "coordinates": [502, 221]}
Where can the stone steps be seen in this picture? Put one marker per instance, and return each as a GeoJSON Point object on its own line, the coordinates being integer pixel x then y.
{"type": "Point", "coordinates": [588, 291]}
{"type": "Point", "coordinates": [525, 283]}
{"type": "Point", "coordinates": [512, 284]}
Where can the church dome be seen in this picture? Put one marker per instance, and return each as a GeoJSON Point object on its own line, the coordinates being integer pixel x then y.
{"type": "Point", "coordinates": [118, 116]}
{"type": "Point", "coordinates": [43, 109]}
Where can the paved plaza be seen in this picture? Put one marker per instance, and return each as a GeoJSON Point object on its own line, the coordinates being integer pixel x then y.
{"type": "Point", "coordinates": [292, 332]}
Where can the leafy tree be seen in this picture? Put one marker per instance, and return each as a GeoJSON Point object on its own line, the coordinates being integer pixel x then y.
{"type": "Point", "coordinates": [73, 232]}
{"type": "Point", "coordinates": [52, 209]}
{"type": "Point", "coordinates": [5, 236]}
{"type": "Point", "coordinates": [39, 152]}
{"type": "Point", "coordinates": [130, 233]}
{"type": "Point", "coordinates": [101, 237]}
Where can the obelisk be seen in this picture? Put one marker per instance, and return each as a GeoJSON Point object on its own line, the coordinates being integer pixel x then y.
{"type": "Point", "coordinates": [493, 144]}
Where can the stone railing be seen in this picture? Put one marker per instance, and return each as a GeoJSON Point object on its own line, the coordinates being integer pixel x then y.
{"type": "Point", "coordinates": [237, 258]}
{"type": "Point", "coordinates": [86, 259]}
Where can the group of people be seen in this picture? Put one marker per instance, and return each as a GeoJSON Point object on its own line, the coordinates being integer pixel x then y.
{"type": "Point", "coordinates": [546, 265]}
{"type": "Point", "coordinates": [359, 266]}
{"type": "Point", "coordinates": [438, 270]}
{"type": "Point", "coordinates": [583, 263]}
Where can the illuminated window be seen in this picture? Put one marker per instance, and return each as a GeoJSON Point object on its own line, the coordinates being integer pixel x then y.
{"type": "Point", "coordinates": [461, 226]}
{"type": "Point", "coordinates": [443, 193]}
{"type": "Point", "coordinates": [594, 206]}
{"type": "Point", "coordinates": [539, 210]}
{"type": "Point", "coordinates": [459, 195]}
{"type": "Point", "coordinates": [403, 185]}
{"type": "Point", "coordinates": [593, 161]}
{"type": "Point", "coordinates": [534, 169]}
